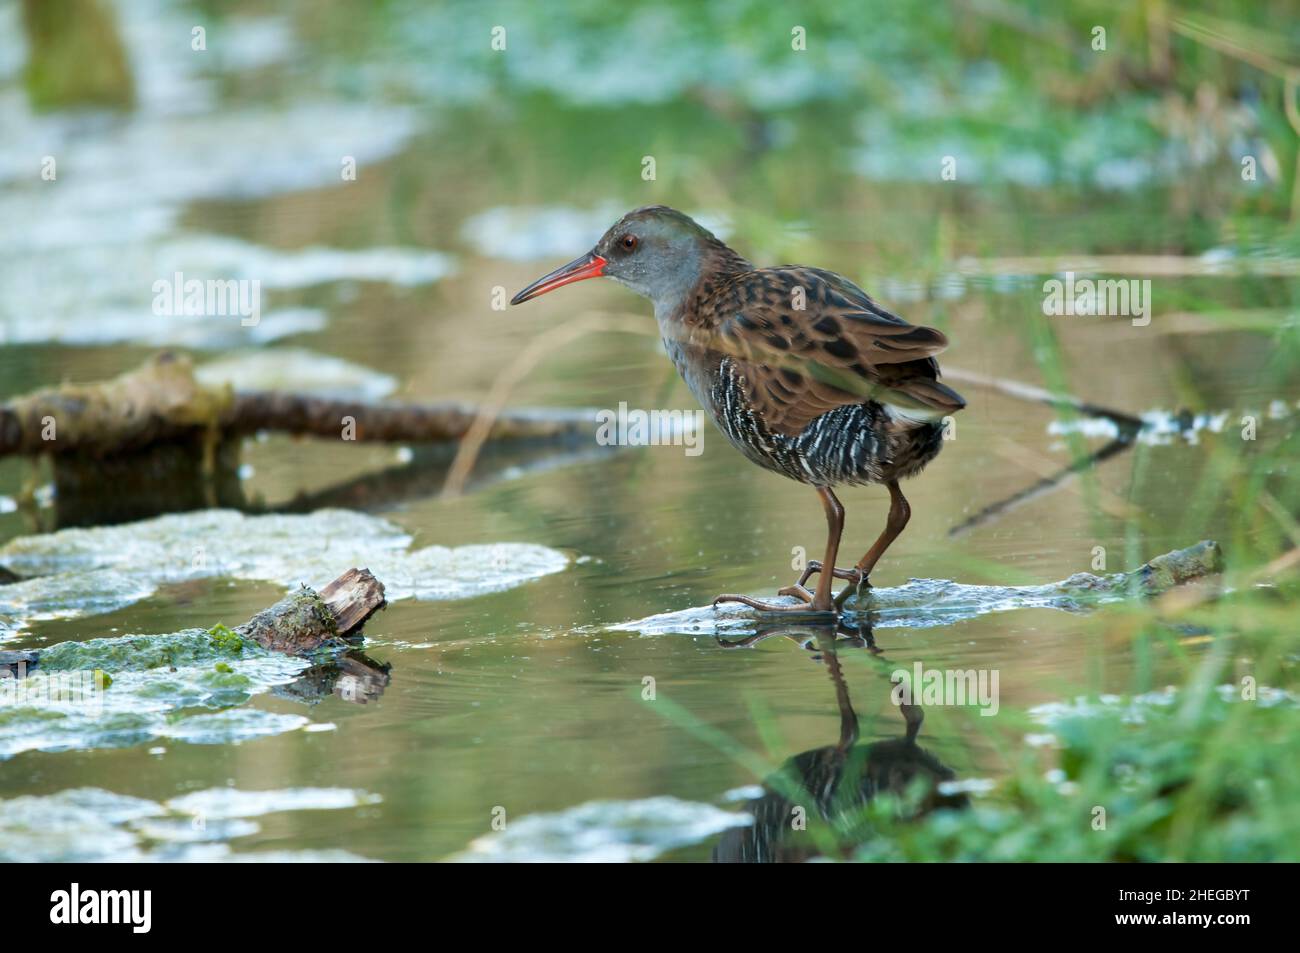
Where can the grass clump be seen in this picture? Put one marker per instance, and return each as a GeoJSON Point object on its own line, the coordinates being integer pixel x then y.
{"type": "Point", "coordinates": [1163, 778]}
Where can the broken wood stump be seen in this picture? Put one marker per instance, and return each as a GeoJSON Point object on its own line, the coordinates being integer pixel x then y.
{"type": "Point", "coordinates": [304, 620]}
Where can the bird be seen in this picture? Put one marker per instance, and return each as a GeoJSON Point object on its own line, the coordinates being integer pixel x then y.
{"type": "Point", "coordinates": [801, 370]}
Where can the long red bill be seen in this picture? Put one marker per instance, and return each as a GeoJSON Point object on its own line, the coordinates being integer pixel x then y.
{"type": "Point", "coordinates": [585, 266]}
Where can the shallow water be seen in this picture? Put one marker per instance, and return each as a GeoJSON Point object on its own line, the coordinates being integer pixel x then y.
{"type": "Point", "coordinates": [521, 694]}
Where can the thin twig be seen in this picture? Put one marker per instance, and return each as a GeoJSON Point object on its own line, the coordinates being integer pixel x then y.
{"type": "Point", "coordinates": [524, 363]}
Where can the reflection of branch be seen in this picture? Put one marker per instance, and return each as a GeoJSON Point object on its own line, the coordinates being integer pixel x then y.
{"type": "Point", "coordinates": [170, 478]}
{"type": "Point", "coordinates": [1045, 485]}
{"type": "Point", "coordinates": [426, 474]}
{"type": "Point", "coordinates": [1127, 423]}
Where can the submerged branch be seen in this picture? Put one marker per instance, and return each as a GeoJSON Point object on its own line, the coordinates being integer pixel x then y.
{"type": "Point", "coordinates": [925, 603]}
{"type": "Point", "coordinates": [1040, 488]}
{"type": "Point", "coordinates": [1128, 424]}
{"type": "Point", "coordinates": [1129, 427]}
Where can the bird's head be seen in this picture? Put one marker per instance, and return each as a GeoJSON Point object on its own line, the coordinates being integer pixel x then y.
{"type": "Point", "coordinates": [656, 251]}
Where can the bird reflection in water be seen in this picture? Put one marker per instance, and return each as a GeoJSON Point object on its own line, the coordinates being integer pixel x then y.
{"type": "Point", "coordinates": [814, 805]}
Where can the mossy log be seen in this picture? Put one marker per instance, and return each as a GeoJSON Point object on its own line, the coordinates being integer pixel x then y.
{"type": "Point", "coordinates": [1157, 576]}
{"type": "Point", "coordinates": [304, 620]}
{"type": "Point", "coordinates": [163, 402]}
{"type": "Point", "coordinates": [298, 624]}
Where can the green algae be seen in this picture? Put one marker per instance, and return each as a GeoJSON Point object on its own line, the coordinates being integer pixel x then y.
{"type": "Point", "coordinates": [188, 647]}
{"type": "Point", "coordinates": [192, 686]}
{"type": "Point", "coordinates": [226, 639]}
{"type": "Point", "coordinates": [161, 685]}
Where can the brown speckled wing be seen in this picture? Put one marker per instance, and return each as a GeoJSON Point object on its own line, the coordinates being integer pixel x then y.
{"type": "Point", "coordinates": [840, 347]}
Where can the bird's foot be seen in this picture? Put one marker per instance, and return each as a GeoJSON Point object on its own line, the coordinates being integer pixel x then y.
{"type": "Point", "coordinates": [858, 582]}
{"type": "Point", "coordinates": [799, 591]}
{"type": "Point", "coordinates": [853, 575]}
{"type": "Point", "coordinates": [807, 607]}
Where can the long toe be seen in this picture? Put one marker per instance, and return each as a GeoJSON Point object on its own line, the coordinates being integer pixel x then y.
{"type": "Point", "coordinates": [785, 607]}
{"type": "Point", "coordinates": [814, 566]}
{"type": "Point", "coordinates": [798, 591]}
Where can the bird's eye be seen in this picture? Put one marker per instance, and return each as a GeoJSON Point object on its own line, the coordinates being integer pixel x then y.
{"type": "Point", "coordinates": [628, 242]}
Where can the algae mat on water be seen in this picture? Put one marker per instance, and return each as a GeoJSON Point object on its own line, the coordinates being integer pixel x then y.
{"type": "Point", "coordinates": [112, 693]}
{"type": "Point", "coordinates": [91, 824]}
{"type": "Point", "coordinates": [79, 572]}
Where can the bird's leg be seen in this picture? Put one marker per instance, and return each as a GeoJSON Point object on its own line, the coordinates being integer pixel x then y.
{"type": "Point", "coordinates": [834, 530]}
{"type": "Point", "coordinates": [800, 589]}
{"type": "Point", "coordinates": [899, 513]}
{"type": "Point", "coordinates": [821, 600]}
